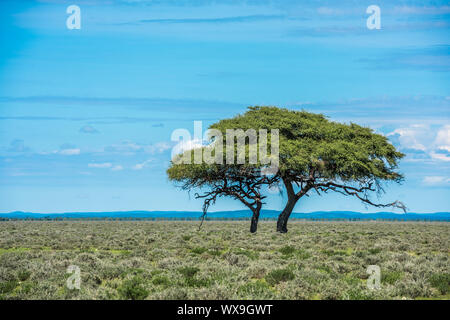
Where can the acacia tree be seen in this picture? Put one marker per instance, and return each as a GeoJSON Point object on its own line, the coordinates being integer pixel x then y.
{"type": "Point", "coordinates": [318, 155]}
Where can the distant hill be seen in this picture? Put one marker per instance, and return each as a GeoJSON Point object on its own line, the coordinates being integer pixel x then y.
{"type": "Point", "coordinates": [238, 214]}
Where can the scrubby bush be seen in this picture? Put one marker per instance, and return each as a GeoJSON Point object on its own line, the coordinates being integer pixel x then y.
{"type": "Point", "coordinates": [23, 275]}
{"type": "Point", "coordinates": [133, 289]}
{"type": "Point", "coordinates": [287, 250]}
{"type": "Point", "coordinates": [255, 290]}
{"type": "Point", "coordinates": [279, 275]}
{"type": "Point", "coordinates": [390, 277]}
{"type": "Point", "coordinates": [188, 272]}
{"type": "Point", "coordinates": [198, 250]}
{"type": "Point", "coordinates": [8, 286]}
{"type": "Point", "coordinates": [441, 281]}
{"type": "Point", "coordinates": [161, 281]}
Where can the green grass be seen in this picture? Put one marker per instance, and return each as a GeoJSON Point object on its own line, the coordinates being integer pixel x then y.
{"type": "Point", "coordinates": [173, 260]}
{"type": "Point", "coordinates": [133, 289]}
{"type": "Point", "coordinates": [188, 272]}
{"type": "Point", "coordinates": [287, 250]}
{"type": "Point", "coordinates": [14, 250]}
{"type": "Point", "coordinates": [441, 282]}
{"type": "Point", "coordinates": [390, 277]}
{"type": "Point", "coordinates": [280, 275]}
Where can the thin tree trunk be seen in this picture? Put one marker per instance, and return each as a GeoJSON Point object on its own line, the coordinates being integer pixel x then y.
{"type": "Point", "coordinates": [285, 214]}
{"type": "Point", "coordinates": [254, 223]}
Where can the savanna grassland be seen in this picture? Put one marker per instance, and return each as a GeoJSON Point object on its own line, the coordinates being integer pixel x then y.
{"type": "Point", "coordinates": [172, 260]}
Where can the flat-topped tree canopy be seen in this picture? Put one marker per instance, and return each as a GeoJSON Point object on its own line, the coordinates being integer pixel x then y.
{"type": "Point", "coordinates": [310, 143]}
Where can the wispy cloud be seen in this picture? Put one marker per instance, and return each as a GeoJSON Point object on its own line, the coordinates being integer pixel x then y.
{"type": "Point", "coordinates": [70, 152]}
{"type": "Point", "coordinates": [88, 129]}
{"type": "Point", "coordinates": [103, 165]}
{"type": "Point", "coordinates": [66, 149]}
{"type": "Point", "coordinates": [142, 165]}
{"type": "Point", "coordinates": [436, 180]}
{"type": "Point", "coordinates": [131, 148]}
{"type": "Point", "coordinates": [218, 20]}
{"type": "Point", "coordinates": [117, 168]}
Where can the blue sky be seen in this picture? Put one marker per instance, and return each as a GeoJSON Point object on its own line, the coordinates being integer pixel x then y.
{"type": "Point", "coordinates": [86, 115]}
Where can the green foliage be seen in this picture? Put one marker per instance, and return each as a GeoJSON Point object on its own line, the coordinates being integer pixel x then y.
{"type": "Point", "coordinates": [374, 250]}
{"type": "Point", "coordinates": [186, 237]}
{"type": "Point", "coordinates": [309, 141]}
{"type": "Point", "coordinates": [279, 275]}
{"type": "Point", "coordinates": [248, 253]}
{"type": "Point", "coordinates": [390, 277]}
{"type": "Point", "coordinates": [303, 255]}
{"type": "Point", "coordinates": [196, 282]}
{"type": "Point", "coordinates": [8, 286]}
{"type": "Point", "coordinates": [215, 252]}
{"type": "Point", "coordinates": [256, 289]}
{"type": "Point", "coordinates": [287, 250]}
{"type": "Point", "coordinates": [188, 272]}
{"type": "Point", "coordinates": [189, 277]}
{"type": "Point", "coordinates": [198, 250]}
{"type": "Point", "coordinates": [133, 289]}
{"type": "Point", "coordinates": [161, 281]}
{"type": "Point", "coordinates": [441, 281]}
{"type": "Point", "coordinates": [23, 275]}
{"type": "Point", "coordinates": [358, 294]}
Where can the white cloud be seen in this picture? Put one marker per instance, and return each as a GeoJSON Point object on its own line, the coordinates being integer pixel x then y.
{"type": "Point", "coordinates": [142, 165]}
{"type": "Point", "coordinates": [100, 165]}
{"type": "Point", "coordinates": [419, 138]}
{"type": "Point", "coordinates": [412, 137]}
{"type": "Point", "coordinates": [157, 147]}
{"type": "Point", "coordinates": [443, 138]}
{"type": "Point", "coordinates": [69, 152]}
{"type": "Point", "coordinates": [117, 168]}
{"type": "Point", "coordinates": [435, 180]}
{"type": "Point", "coordinates": [106, 165]}
{"type": "Point", "coordinates": [131, 148]}
{"type": "Point", "coordinates": [439, 156]}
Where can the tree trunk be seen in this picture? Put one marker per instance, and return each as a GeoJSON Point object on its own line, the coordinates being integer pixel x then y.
{"type": "Point", "coordinates": [255, 218]}
{"type": "Point", "coordinates": [284, 215]}
{"type": "Point", "coordinates": [292, 200]}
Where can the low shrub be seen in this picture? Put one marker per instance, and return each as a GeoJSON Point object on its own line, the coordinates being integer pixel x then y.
{"type": "Point", "coordinates": [390, 277]}
{"type": "Point", "coordinates": [188, 272]}
{"type": "Point", "coordinates": [287, 250]}
{"type": "Point", "coordinates": [441, 281]}
{"type": "Point", "coordinates": [133, 289]}
{"type": "Point", "coordinates": [279, 275]}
